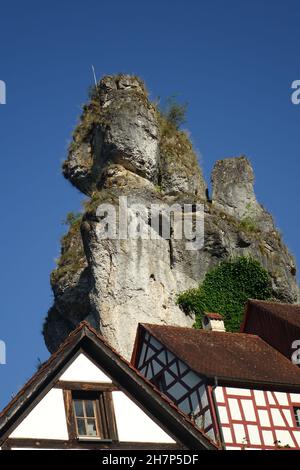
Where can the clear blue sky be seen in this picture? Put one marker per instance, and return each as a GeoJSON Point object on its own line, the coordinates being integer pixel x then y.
{"type": "Point", "coordinates": [232, 60]}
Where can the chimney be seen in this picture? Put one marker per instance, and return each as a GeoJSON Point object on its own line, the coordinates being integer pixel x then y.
{"type": "Point", "coordinates": [213, 322]}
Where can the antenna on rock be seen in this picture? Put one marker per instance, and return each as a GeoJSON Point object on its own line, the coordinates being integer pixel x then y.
{"type": "Point", "coordinates": [95, 80]}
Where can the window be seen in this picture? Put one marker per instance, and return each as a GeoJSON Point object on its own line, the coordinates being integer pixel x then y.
{"type": "Point", "coordinates": [297, 415]}
{"type": "Point", "coordinates": [94, 415]}
{"type": "Point", "coordinates": [86, 416]}
{"type": "Point", "coordinates": [160, 381]}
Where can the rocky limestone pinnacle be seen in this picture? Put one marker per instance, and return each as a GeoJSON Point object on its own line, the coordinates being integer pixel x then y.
{"type": "Point", "coordinates": [123, 146]}
{"type": "Point", "coordinates": [233, 191]}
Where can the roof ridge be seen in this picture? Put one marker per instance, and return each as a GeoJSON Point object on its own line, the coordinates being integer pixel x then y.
{"type": "Point", "coordinates": [261, 301]}
{"type": "Point", "coordinates": [198, 330]}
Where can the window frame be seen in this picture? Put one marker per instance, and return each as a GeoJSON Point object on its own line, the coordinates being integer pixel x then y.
{"type": "Point", "coordinates": [295, 418]}
{"type": "Point", "coordinates": [96, 416]}
{"type": "Point", "coordinates": [104, 414]}
{"type": "Point", "coordinates": [159, 381]}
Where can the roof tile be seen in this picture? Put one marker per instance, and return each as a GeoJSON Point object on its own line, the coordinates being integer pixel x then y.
{"type": "Point", "coordinates": [235, 357]}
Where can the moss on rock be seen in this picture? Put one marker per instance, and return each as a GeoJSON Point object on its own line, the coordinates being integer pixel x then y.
{"type": "Point", "coordinates": [72, 258]}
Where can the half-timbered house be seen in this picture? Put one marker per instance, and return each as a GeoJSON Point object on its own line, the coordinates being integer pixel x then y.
{"type": "Point", "coordinates": [236, 387]}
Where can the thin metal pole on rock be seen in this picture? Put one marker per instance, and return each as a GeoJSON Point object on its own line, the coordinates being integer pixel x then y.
{"type": "Point", "coordinates": [95, 80]}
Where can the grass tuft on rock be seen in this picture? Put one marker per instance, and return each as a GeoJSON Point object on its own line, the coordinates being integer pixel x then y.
{"type": "Point", "coordinates": [72, 258]}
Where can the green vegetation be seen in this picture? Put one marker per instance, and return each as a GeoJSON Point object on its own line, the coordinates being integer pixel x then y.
{"type": "Point", "coordinates": [72, 218]}
{"type": "Point", "coordinates": [92, 114]}
{"type": "Point", "coordinates": [247, 224]}
{"type": "Point", "coordinates": [158, 188]}
{"type": "Point", "coordinates": [174, 112]}
{"type": "Point", "coordinates": [176, 149]}
{"type": "Point", "coordinates": [72, 258]}
{"type": "Point", "coordinates": [93, 92]}
{"type": "Point", "coordinates": [225, 290]}
{"type": "Point", "coordinates": [98, 197]}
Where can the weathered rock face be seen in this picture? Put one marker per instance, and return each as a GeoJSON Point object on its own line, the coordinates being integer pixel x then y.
{"type": "Point", "coordinates": [118, 126]}
{"type": "Point", "coordinates": [179, 171]}
{"type": "Point", "coordinates": [233, 192]}
{"type": "Point", "coordinates": [124, 147]}
{"type": "Point", "coordinates": [133, 282]}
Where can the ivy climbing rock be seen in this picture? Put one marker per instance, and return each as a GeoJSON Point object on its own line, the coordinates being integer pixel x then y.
{"type": "Point", "coordinates": [226, 289]}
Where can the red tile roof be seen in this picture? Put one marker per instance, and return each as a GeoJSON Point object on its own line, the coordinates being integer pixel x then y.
{"type": "Point", "coordinates": [290, 313]}
{"type": "Point", "coordinates": [277, 324]}
{"type": "Point", "coordinates": [213, 316]}
{"type": "Point", "coordinates": [230, 357]}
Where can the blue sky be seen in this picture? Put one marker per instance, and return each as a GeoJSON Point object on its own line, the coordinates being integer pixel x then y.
{"type": "Point", "coordinates": [233, 61]}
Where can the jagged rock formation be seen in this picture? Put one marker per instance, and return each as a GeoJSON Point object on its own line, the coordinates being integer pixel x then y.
{"type": "Point", "coordinates": [124, 147]}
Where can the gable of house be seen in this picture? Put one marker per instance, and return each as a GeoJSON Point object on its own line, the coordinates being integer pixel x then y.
{"type": "Point", "coordinates": [48, 420]}
{"type": "Point", "coordinates": [187, 389]}
{"type": "Point", "coordinates": [88, 396]}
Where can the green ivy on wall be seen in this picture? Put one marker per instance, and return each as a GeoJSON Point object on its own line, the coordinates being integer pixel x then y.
{"type": "Point", "coordinates": [225, 290]}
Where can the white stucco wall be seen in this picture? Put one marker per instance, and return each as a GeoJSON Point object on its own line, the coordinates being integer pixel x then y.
{"type": "Point", "coordinates": [83, 369]}
{"type": "Point", "coordinates": [133, 424]}
{"type": "Point", "coordinates": [47, 420]}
